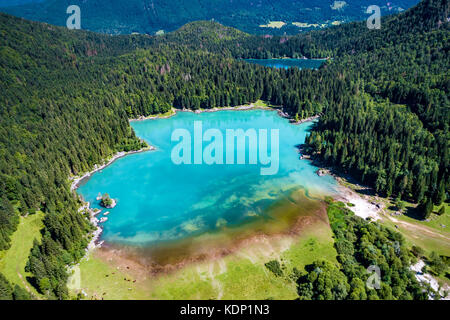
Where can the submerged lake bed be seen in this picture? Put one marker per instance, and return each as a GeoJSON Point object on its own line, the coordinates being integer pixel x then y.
{"type": "Point", "coordinates": [162, 202]}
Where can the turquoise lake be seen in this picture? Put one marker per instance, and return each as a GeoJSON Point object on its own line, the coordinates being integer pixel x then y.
{"type": "Point", "coordinates": [159, 201]}
{"type": "Point", "coordinates": [288, 63]}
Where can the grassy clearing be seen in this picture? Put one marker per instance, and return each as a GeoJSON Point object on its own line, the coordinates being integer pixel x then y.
{"type": "Point", "coordinates": [192, 283]}
{"type": "Point", "coordinates": [13, 261]}
{"type": "Point", "coordinates": [315, 245]}
{"type": "Point", "coordinates": [432, 235]}
{"type": "Point", "coordinates": [244, 275]}
{"type": "Point", "coordinates": [440, 223]}
{"type": "Point", "coordinates": [255, 105]}
{"type": "Point", "coordinates": [101, 280]}
{"type": "Point", "coordinates": [274, 25]}
{"type": "Point", "coordinates": [261, 104]}
{"type": "Point", "coordinates": [241, 275]}
{"type": "Point", "coordinates": [421, 237]}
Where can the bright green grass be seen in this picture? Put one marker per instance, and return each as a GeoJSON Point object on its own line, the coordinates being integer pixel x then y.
{"type": "Point", "coordinates": [436, 239]}
{"type": "Point", "coordinates": [258, 104]}
{"type": "Point", "coordinates": [246, 280]}
{"type": "Point", "coordinates": [13, 261]}
{"type": "Point", "coordinates": [169, 113]}
{"type": "Point", "coordinates": [438, 222]}
{"type": "Point", "coordinates": [92, 273]}
{"type": "Point", "coordinates": [315, 245]}
{"type": "Point", "coordinates": [192, 283]}
{"type": "Point", "coordinates": [419, 238]}
{"type": "Point", "coordinates": [261, 104]}
{"type": "Point", "coordinates": [244, 276]}
{"type": "Point", "coordinates": [238, 276]}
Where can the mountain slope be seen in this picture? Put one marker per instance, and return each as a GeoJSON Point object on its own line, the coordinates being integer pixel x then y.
{"type": "Point", "coordinates": [66, 97]}
{"type": "Point", "coordinates": [149, 16]}
{"type": "Point", "coordinates": [336, 41]}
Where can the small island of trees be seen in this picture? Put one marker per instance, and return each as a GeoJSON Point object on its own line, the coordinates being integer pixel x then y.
{"type": "Point", "coordinates": [107, 202]}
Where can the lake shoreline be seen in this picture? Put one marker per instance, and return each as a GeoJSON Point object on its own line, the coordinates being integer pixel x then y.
{"type": "Point", "coordinates": [86, 206]}
{"type": "Point", "coordinates": [77, 181]}
{"type": "Point", "coordinates": [289, 58]}
{"type": "Point", "coordinates": [143, 263]}
{"type": "Point", "coordinates": [175, 111]}
{"type": "Point", "coordinates": [362, 205]}
{"type": "Point", "coordinates": [245, 107]}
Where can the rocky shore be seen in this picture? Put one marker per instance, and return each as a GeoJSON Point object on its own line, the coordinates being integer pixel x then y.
{"type": "Point", "coordinates": [95, 222]}
{"type": "Point", "coordinates": [78, 179]}
{"type": "Point", "coordinates": [94, 243]}
{"type": "Point", "coordinates": [251, 106]}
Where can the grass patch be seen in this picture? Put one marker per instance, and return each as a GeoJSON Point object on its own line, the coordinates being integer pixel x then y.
{"type": "Point", "coordinates": [351, 205]}
{"type": "Point", "coordinates": [274, 25]}
{"type": "Point", "coordinates": [100, 280]}
{"type": "Point", "coordinates": [439, 222]}
{"type": "Point", "coordinates": [316, 244]}
{"type": "Point", "coordinates": [430, 235]}
{"type": "Point", "coordinates": [261, 104]}
{"type": "Point", "coordinates": [242, 275]}
{"type": "Point", "coordinates": [248, 280]}
{"type": "Point", "coordinates": [13, 261]}
{"type": "Point", "coordinates": [428, 242]}
{"type": "Point", "coordinates": [191, 283]}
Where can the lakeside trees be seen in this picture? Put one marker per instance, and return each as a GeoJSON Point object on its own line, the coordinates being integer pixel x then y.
{"type": "Point", "coordinates": [66, 97]}
{"type": "Point", "coordinates": [399, 150]}
{"type": "Point", "coordinates": [383, 145]}
{"type": "Point", "coordinates": [359, 245]}
{"type": "Point", "coordinates": [406, 62]}
{"type": "Point", "coordinates": [9, 292]}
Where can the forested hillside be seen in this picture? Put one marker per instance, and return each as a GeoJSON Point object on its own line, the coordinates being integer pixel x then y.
{"type": "Point", "coordinates": [67, 95]}
{"type": "Point", "coordinates": [401, 151]}
{"type": "Point", "coordinates": [406, 62]}
{"type": "Point", "coordinates": [151, 16]}
{"type": "Point", "coordinates": [361, 244]}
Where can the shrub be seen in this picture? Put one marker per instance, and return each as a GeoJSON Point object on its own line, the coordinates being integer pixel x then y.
{"type": "Point", "coordinates": [275, 267]}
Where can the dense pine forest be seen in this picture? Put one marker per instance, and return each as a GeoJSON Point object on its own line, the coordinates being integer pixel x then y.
{"type": "Point", "coordinates": [401, 151]}
{"type": "Point", "coordinates": [361, 244]}
{"type": "Point", "coordinates": [151, 16]}
{"type": "Point", "coordinates": [67, 97]}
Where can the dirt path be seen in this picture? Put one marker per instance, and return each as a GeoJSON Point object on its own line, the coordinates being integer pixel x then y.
{"type": "Point", "coordinates": [414, 227]}
{"type": "Point", "coordinates": [25, 284]}
{"type": "Point", "coordinates": [364, 207]}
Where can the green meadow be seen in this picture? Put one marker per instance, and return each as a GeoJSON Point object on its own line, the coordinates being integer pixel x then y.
{"type": "Point", "coordinates": [241, 275]}
{"type": "Point", "coordinates": [13, 260]}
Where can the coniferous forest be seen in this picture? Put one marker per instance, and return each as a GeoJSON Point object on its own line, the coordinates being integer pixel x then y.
{"type": "Point", "coordinates": [66, 97]}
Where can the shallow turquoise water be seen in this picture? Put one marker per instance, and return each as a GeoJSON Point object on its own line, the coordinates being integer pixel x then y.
{"type": "Point", "coordinates": [288, 63]}
{"type": "Point", "coordinates": [159, 201]}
